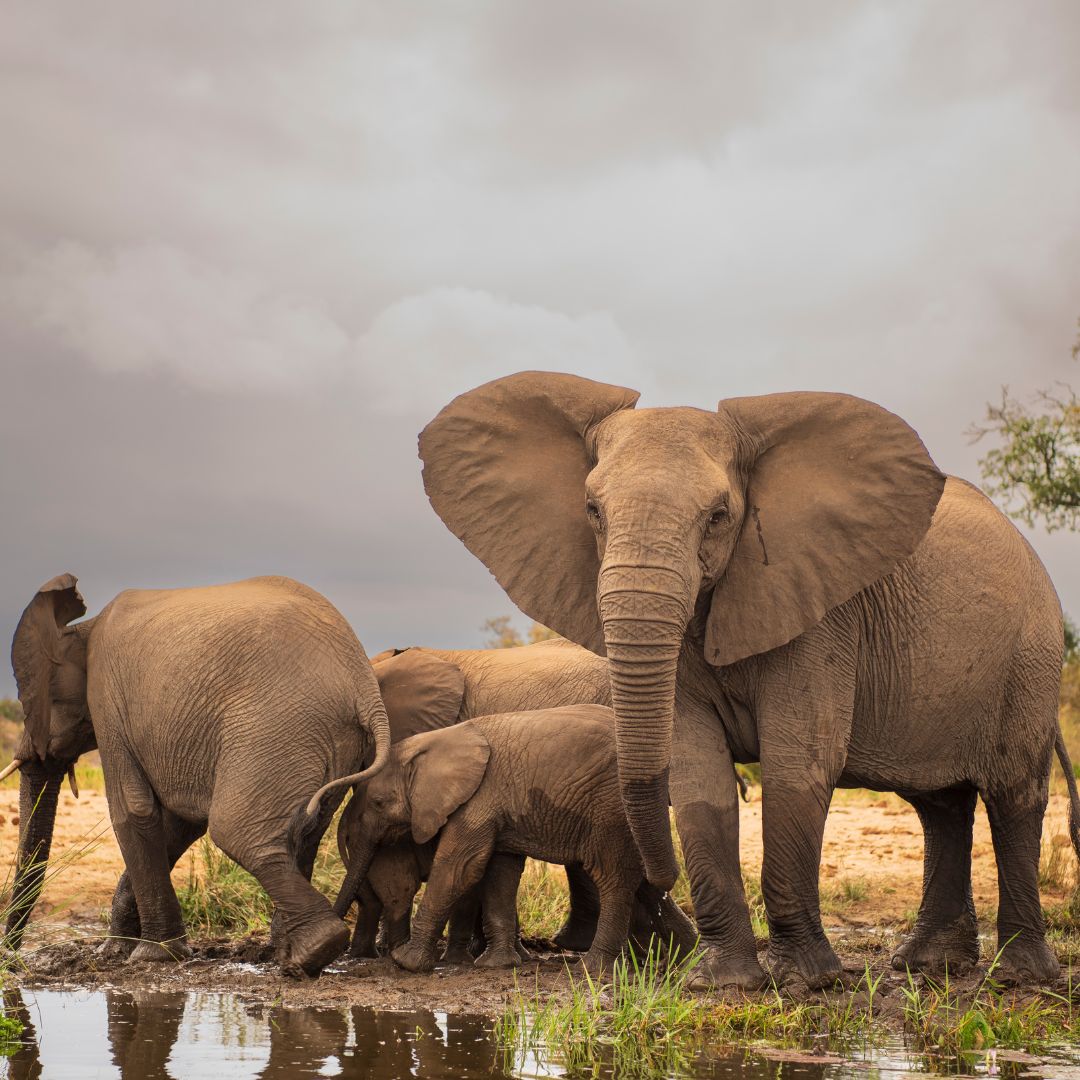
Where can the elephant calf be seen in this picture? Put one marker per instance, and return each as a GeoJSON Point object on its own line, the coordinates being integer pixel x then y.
{"type": "Point", "coordinates": [215, 708]}
{"type": "Point", "coordinates": [542, 784]}
{"type": "Point", "coordinates": [429, 689]}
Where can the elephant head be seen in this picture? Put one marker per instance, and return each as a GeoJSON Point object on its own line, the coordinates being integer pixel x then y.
{"type": "Point", "coordinates": [49, 659]}
{"type": "Point", "coordinates": [421, 692]}
{"type": "Point", "coordinates": [426, 779]}
{"type": "Point", "coordinates": [616, 527]}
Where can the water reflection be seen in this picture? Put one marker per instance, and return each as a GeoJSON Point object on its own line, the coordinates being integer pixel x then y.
{"type": "Point", "coordinates": [155, 1034]}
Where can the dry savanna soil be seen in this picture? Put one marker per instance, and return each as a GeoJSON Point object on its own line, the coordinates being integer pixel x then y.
{"type": "Point", "coordinates": [870, 881]}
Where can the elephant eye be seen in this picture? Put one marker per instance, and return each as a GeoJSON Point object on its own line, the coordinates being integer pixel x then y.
{"type": "Point", "coordinates": [719, 515]}
{"type": "Point", "coordinates": [593, 512]}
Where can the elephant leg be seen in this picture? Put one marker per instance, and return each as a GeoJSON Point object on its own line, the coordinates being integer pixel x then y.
{"type": "Point", "coordinates": [705, 795]}
{"type": "Point", "coordinates": [305, 863]}
{"type": "Point", "coordinates": [366, 930]}
{"type": "Point", "coordinates": [460, 862]}
{"type": "Point", "coordinates": [394, 879]}
{"type": "Point", "coordinates": [577, 932]}
{"type": "Point", "coordinates": [498, 900]}
{"type": "Point", "coordinates": [309, 935]}
{"type": "Point", "coordinates": [139, 825]}
{"type": "Point", "coordinates": [462, 927]}
{"type": "Point", "coordinates": [616, 888]}
{"type": "Point", "coordinates": [1016, 818]}
{"type": "Point", "coordinates": [804, 707]}
{"type": "Point", "coordinates": [124, 926]}
{"type": "Point", "coordinates": [946, 934]}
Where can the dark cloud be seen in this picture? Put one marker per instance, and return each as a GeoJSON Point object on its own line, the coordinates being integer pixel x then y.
{"type": "Point", "coordinates": [247, 251]}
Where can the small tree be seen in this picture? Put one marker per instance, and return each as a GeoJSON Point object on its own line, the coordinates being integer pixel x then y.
{"type": "Point", "coordinates": [1035, 472]}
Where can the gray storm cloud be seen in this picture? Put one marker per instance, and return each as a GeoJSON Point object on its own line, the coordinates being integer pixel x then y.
{"type": "Point", "coordinates": [245, 254]}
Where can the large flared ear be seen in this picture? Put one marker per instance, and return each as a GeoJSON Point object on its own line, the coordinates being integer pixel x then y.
{"type": "Point", "coordinates": [839, 491]}
{"type": "Point", "coordinates": [443, 769]}
{"type": "Point", "coordinates": [505, 468]}
{"type": "Point", "coordinates": [36, 651]}
{"type": "Point", "coordinates": [421, 692]}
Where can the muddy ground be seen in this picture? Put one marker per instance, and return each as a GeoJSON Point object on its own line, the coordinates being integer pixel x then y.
{"type": "Point", "coordinates": [872, 840]}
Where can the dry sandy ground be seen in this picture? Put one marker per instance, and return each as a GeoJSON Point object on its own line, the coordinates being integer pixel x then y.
{"type": "Point", "coordinates": [871, 839]}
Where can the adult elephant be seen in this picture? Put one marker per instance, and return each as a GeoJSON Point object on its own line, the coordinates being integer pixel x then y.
{"type": "Point", "coordinates": [787, 579]}
{"type": "Point", "coordinates": [431, 689]}
{"type": "Point", "coordinates": [215, 708]}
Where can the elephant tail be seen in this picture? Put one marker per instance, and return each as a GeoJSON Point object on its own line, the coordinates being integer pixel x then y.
{"type": "Point", "coordinates": [1074, 795]}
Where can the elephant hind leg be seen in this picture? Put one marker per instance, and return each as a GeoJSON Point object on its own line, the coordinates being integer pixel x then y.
{"type": "Point", "coordinates": [306, 932]}
{"type": "Point", "coordinates": [946, 932]}
{"type": "Point", "coordinates": [1016, 818]}
{"type": "Point", "coordinates": [125, 928]}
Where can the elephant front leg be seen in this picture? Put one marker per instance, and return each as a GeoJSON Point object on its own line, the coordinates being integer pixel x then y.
{"type": "Point", "coordinates": [460, 861]}
{"type": "Point", "coordinates": [498, 892]}
{"type": "Point", "coordinates": [705, 795]}
{"type": "Point", "coordinates": [793, 824]}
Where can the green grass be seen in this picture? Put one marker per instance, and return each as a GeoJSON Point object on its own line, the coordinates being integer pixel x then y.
{"type": "Point", "coordinates": [643, 1022]}
{"type": "Point", "coordinates": [946, 1022]}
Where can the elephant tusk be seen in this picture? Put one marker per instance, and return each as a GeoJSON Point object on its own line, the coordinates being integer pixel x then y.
{"type": "Point", "coordinates": [72, 781]}
{"type": "Point", "coordinates": [10, 769]}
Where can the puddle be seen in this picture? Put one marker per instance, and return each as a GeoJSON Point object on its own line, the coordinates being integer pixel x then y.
{"type": "Point", "coordinates": [153, 1035]}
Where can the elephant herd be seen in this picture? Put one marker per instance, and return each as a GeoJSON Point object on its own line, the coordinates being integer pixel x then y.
{"type": "Point", "coordinates": [788, 579]}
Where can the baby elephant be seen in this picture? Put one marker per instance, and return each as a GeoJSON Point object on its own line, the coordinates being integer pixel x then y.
{"type": "Point", "coordinates": [542, 784]}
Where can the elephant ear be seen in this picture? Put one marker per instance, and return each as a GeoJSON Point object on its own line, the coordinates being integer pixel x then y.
{"type": "Point", "coordinates": [505, 467]}
{"type": "Point", "coordinates": [36, 651]}
{"type": "Point", "coordinates": [839, 492]}
{"type": "Point", "coordinates": [443, 770]}
{"type": "Point", "coordinates": [421, 692]}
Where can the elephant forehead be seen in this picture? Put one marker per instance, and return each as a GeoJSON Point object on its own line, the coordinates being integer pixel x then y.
{"type": "Point", "coordinates": [638, 448]}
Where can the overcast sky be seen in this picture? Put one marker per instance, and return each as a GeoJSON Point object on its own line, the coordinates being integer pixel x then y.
{"type": "Point", "coordinates": [248, 250]}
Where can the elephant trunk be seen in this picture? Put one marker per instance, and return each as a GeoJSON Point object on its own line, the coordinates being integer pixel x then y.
{"type": "Point", "coordinates": [355, 874]}
{"type": "Point", "coordinates": [645, 612]}
{"type": "Point", "coordinates": [39, 788]}
{"type": "Point", "coordinates": [379, 726]}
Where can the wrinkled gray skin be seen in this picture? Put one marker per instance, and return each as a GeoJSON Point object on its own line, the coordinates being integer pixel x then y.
{"type": "Point", "coordinates": [496, 789]}
{"type": "Point", "coordinates": [428, 689]}
{"type": "Point", "coordinates": [787, 580]}
{"type": "Point", "coordinates": [216, 709]}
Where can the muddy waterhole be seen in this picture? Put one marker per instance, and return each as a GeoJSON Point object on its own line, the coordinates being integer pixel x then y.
{"type": "Point", "coordinates": [163, 1033]}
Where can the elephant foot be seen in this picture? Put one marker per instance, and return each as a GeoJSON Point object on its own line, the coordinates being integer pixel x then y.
{"type": "Point", "coordinates": [157, 952]}
{"type": "Point", "coordinates": [717, 971]}
{"type": "Point", "coordinates": [575, 936]}
{"type": "Point", "coordinates": [457, 953]}
{"type": "Point", "coordinates": [954, 948]}
{"type": "Point", "coordinates": [1027, 959]}
{"type": "Point", "coordinates": [499, 957]}
{"type": "Point", "coordinates": [815, 961]}
{"type": "Point", "coordinates": [114, 949]}
{"type": "Point", "coordinates": [363, 950]}
{"type": "Point", "coordinates": [310, 949]}
{"type": "Point", "coordinates": [598, 963]}
{"type": "Point", "coordinates": [413, 956]}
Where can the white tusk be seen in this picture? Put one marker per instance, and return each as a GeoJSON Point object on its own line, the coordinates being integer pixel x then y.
{"type": "Point", "coordinates": [72, 782]}
{"type": "Point", "coordinates": [10, 769]}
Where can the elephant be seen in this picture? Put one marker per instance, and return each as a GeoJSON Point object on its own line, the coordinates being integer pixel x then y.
{"type": "Point", "coordinates": [428, 689]}
{"type": "Point", "coordinates": [216, 708]}
{"type": "Point", "coordinates": [496, 789]}
{"type": "Point", "coordinates": [788, 579]}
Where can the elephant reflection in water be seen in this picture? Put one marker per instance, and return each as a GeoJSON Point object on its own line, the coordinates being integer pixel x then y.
{"type": "Point", "coordinates": [144, 1026]}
